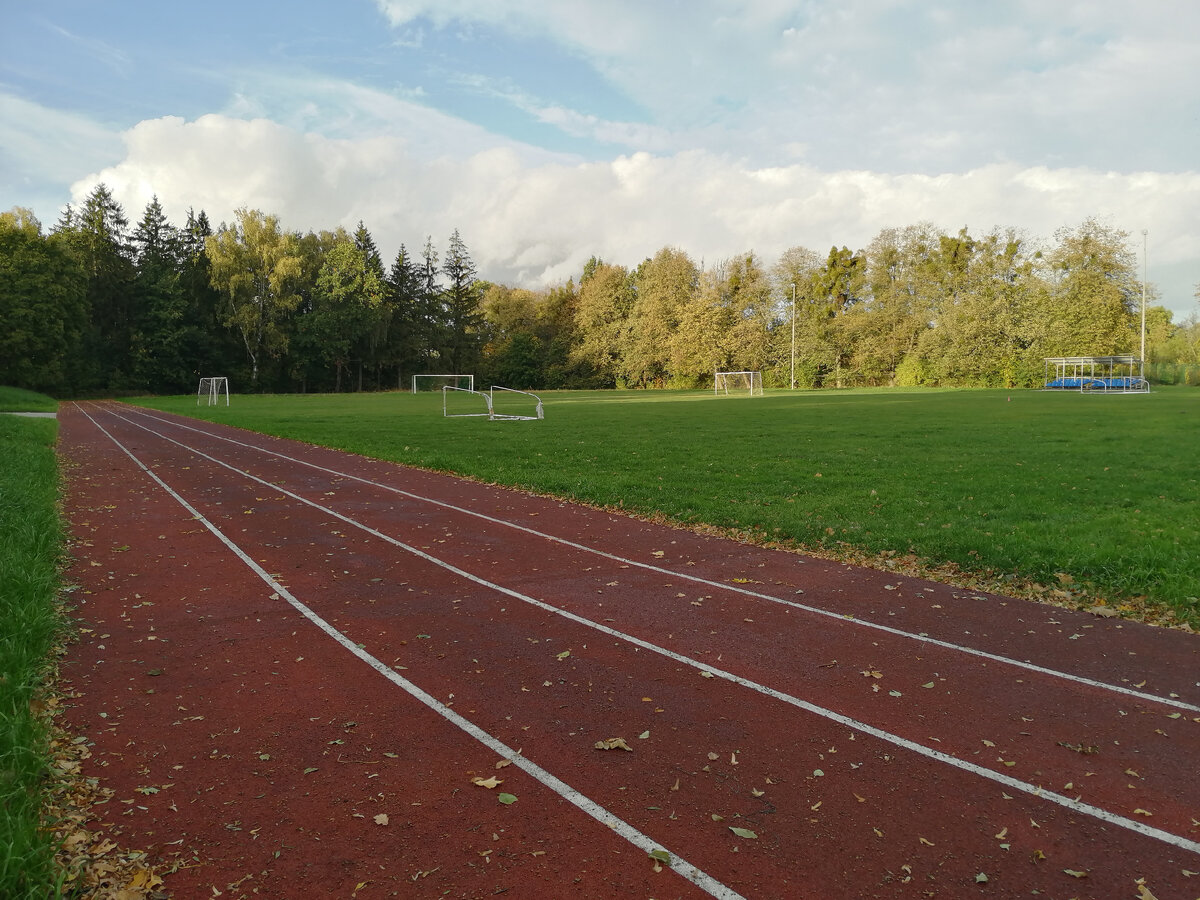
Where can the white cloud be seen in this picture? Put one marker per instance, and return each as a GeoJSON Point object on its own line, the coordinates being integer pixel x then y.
{"type": "Point", "coordinates": [47, 144]}
{"type": "Point", "coordinates": [535, 220]}
{"type": "Point", "coordinates": [894, 85]}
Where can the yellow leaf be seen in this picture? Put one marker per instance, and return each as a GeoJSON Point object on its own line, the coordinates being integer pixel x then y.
{"type": "Point", "coordinates": [1075, 873]}
{"type": "Point", "coordinates": [488, 783]}
{"type": "Point", "coordinates": [1003, 832]}
{"type": "Point", "coordinates": [756, 792]}
{"type": "Point", "coordinates": [381, 819]}
{"type": "Point", "coordinates": [1142, 812]}
{"type": "Point", "coordinates": [926, 843]}
{"type": "Point", "coordinates": [503, 763]}
{"type": "Point", "coordinates": [612, 744]}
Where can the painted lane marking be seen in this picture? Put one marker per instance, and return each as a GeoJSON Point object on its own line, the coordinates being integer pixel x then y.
{"type": "Point", "coordinates": [894, 739]}
{"type": "Point", "coordinates": [839, 617]}
{"type": "Point", "coordinates": [678, 864]}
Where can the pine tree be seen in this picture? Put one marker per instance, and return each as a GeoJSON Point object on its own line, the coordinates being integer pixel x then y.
{"type": "Point", "coordinates": [464, 319]}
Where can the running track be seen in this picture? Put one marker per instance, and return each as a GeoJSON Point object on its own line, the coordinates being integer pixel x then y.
{"type": "Point", "coordinates": [286, 643]}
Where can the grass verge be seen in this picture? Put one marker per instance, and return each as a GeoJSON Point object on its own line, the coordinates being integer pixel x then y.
{"type": "Point", "coordinates": [1094, 497]}
{"type": "Point", "coordinates": [20, 400]}
{"type": "Point", "coordinates": [30, 625]}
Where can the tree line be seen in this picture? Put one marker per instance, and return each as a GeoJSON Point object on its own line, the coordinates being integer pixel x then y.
{"type": "Point", "coordinates": [97, 306]}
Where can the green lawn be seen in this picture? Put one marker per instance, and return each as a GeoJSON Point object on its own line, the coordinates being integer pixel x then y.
{"type": "Point", "coordinates": [1098, 492]}
{"type": "Point", "coordinates": [30, 625]}
{"type": "Point", "coordinates": [20, 400]}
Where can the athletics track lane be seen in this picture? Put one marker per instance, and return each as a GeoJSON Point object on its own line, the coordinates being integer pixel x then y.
{"type": "Point", "coordinates": [817, 838]}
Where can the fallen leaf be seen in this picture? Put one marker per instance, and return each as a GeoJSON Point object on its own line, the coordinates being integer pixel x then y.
{"type": "Point", "coordinates": [504, 762]}
{"type": "Point", "coordinates": [744, 833]}
{"type": "Point", "coordinates": [1142, 812]}
{"type": "Point", "coordinates": [563, 655]}
{"type": "Point", "coordinates": [1075, 873]}
{"type": "Point", "coordinates": [1144, 893]}
{"type": "Point", "coordinates": [381, 819]}
{"type": "Point", "coordinates": [643, 735]}
{"type": "Point", "coordinates": [488, 783]}
{"type": "Point", "coordinates": [981, 878]}
{"type": "Point", "coordinates": [925, 842]}
{"type": "Point", "coordinates": [506, 799]}
{"type": "Point", "coordinates": [1002, 834]}
{"type": "Point", "coordinates": [661, 855]}
{"type": "Point", "coordinates": [706, 674]}
{"type": "Point", "coordinates": [755, 792]}
{"type": "Point", "coordinates": [612, 744]}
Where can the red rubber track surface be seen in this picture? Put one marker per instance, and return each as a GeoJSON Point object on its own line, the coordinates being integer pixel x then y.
{"type": "Point", "coordinates": [253, 750]}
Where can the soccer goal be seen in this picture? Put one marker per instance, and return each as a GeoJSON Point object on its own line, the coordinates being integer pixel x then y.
{"type": "Point", "coordinates": [515, 406]}
{"type": "Point", "coordinates": [212, 388]}
{"type": "Point", "coordinates": [464, 403]}
{"type": "Point", "coordinates": [738, 383]}
{"type": "Point", "coordinates": [437, 382]}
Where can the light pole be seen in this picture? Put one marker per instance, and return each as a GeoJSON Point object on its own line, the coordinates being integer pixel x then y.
{"type": "Point", "coordinates": [1145, 268]}
{"type": "Point", "coordinates": [793, 335]}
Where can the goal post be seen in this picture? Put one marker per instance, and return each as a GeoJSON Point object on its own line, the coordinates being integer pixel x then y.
{"type": "Point", "coordinates": [212, 388]}
{"type": "Point", "coordinates": [738, 383]}
{"type": "Point", "coordinates": [421, 383]}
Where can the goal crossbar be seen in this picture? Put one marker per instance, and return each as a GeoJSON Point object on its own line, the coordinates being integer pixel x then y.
{"type": "Point", "coordinates": [434, 382]}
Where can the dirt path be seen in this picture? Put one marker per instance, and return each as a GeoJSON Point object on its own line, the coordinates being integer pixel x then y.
{"type": "Point", "coordinates": [293, 696]}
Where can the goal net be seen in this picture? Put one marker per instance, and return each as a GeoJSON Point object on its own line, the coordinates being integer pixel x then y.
{"type": "Point", "coordinates": [437, 382]}
{"type": "Point", "coordinates": [212, 388]}
{"type": "Point", "coordinates": [738, 383]}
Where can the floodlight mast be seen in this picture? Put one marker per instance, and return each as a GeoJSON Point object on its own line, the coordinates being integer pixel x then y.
{"type": "Point", "coordinates": [1145, 269]}
{"type": "Point", "coordinates": [793, 335]}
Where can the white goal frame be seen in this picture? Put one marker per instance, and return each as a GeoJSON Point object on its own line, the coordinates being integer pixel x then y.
{"type": "Point", "coordinates": [489, 411]}
{"type": "Point", "coordinates": [538, 412]}
{"type": "Point", "coordinates": [739, 382]}
{"type": "Point", "coordinates": [438, 381]}
{"type": "Point", "coordinates": [211, 388]}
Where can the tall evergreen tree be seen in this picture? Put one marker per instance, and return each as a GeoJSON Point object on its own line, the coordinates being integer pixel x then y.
{"type": "Point", "coordinates": [464, 319]}
{"type": "Point", "coordinates": [158, 339]}
{"type": "Point", "coordinates": [97, 235]}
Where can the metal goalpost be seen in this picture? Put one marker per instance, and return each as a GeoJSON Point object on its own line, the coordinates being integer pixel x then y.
{"type": "Point", "coordinates": [212, 388]}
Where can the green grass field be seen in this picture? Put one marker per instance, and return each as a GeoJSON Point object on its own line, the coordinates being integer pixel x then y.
{"type": "Point", "coordinates": [30, 625]}
{"type": "Point", "coordinates": [1091, 493]}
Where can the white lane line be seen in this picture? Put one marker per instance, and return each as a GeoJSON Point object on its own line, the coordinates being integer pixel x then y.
{"type": "Point", "coordinates": [678, 864]}
{"type": "Point", "coordinates": [840, 617]}
{"type": "Point", "coordinates": [902, 742]}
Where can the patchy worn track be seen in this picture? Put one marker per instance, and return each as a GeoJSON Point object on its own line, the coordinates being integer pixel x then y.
{"type": "Point", "coordinates": [287, 642]}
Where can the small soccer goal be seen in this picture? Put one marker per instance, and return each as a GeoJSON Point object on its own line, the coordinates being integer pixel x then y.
{"type": "Point", "coordinates": [422, 383]}
{"type": "Point", "coordinates": [748, 383]}
{"type": "Point", "coordinates": [514, 406]}
{"type": "Point", "coordinates": [212, 388]}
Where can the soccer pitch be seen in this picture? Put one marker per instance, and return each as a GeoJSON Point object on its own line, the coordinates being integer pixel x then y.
{"type": "Point", "coordinates": [1075, 492]}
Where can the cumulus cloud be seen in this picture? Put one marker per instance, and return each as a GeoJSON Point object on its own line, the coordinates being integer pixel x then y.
{"type": "Point", "coordinates": [534, 220]}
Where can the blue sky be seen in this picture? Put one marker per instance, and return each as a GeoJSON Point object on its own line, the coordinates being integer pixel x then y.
{"type": "Point", "coordinates": [548, 131]}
